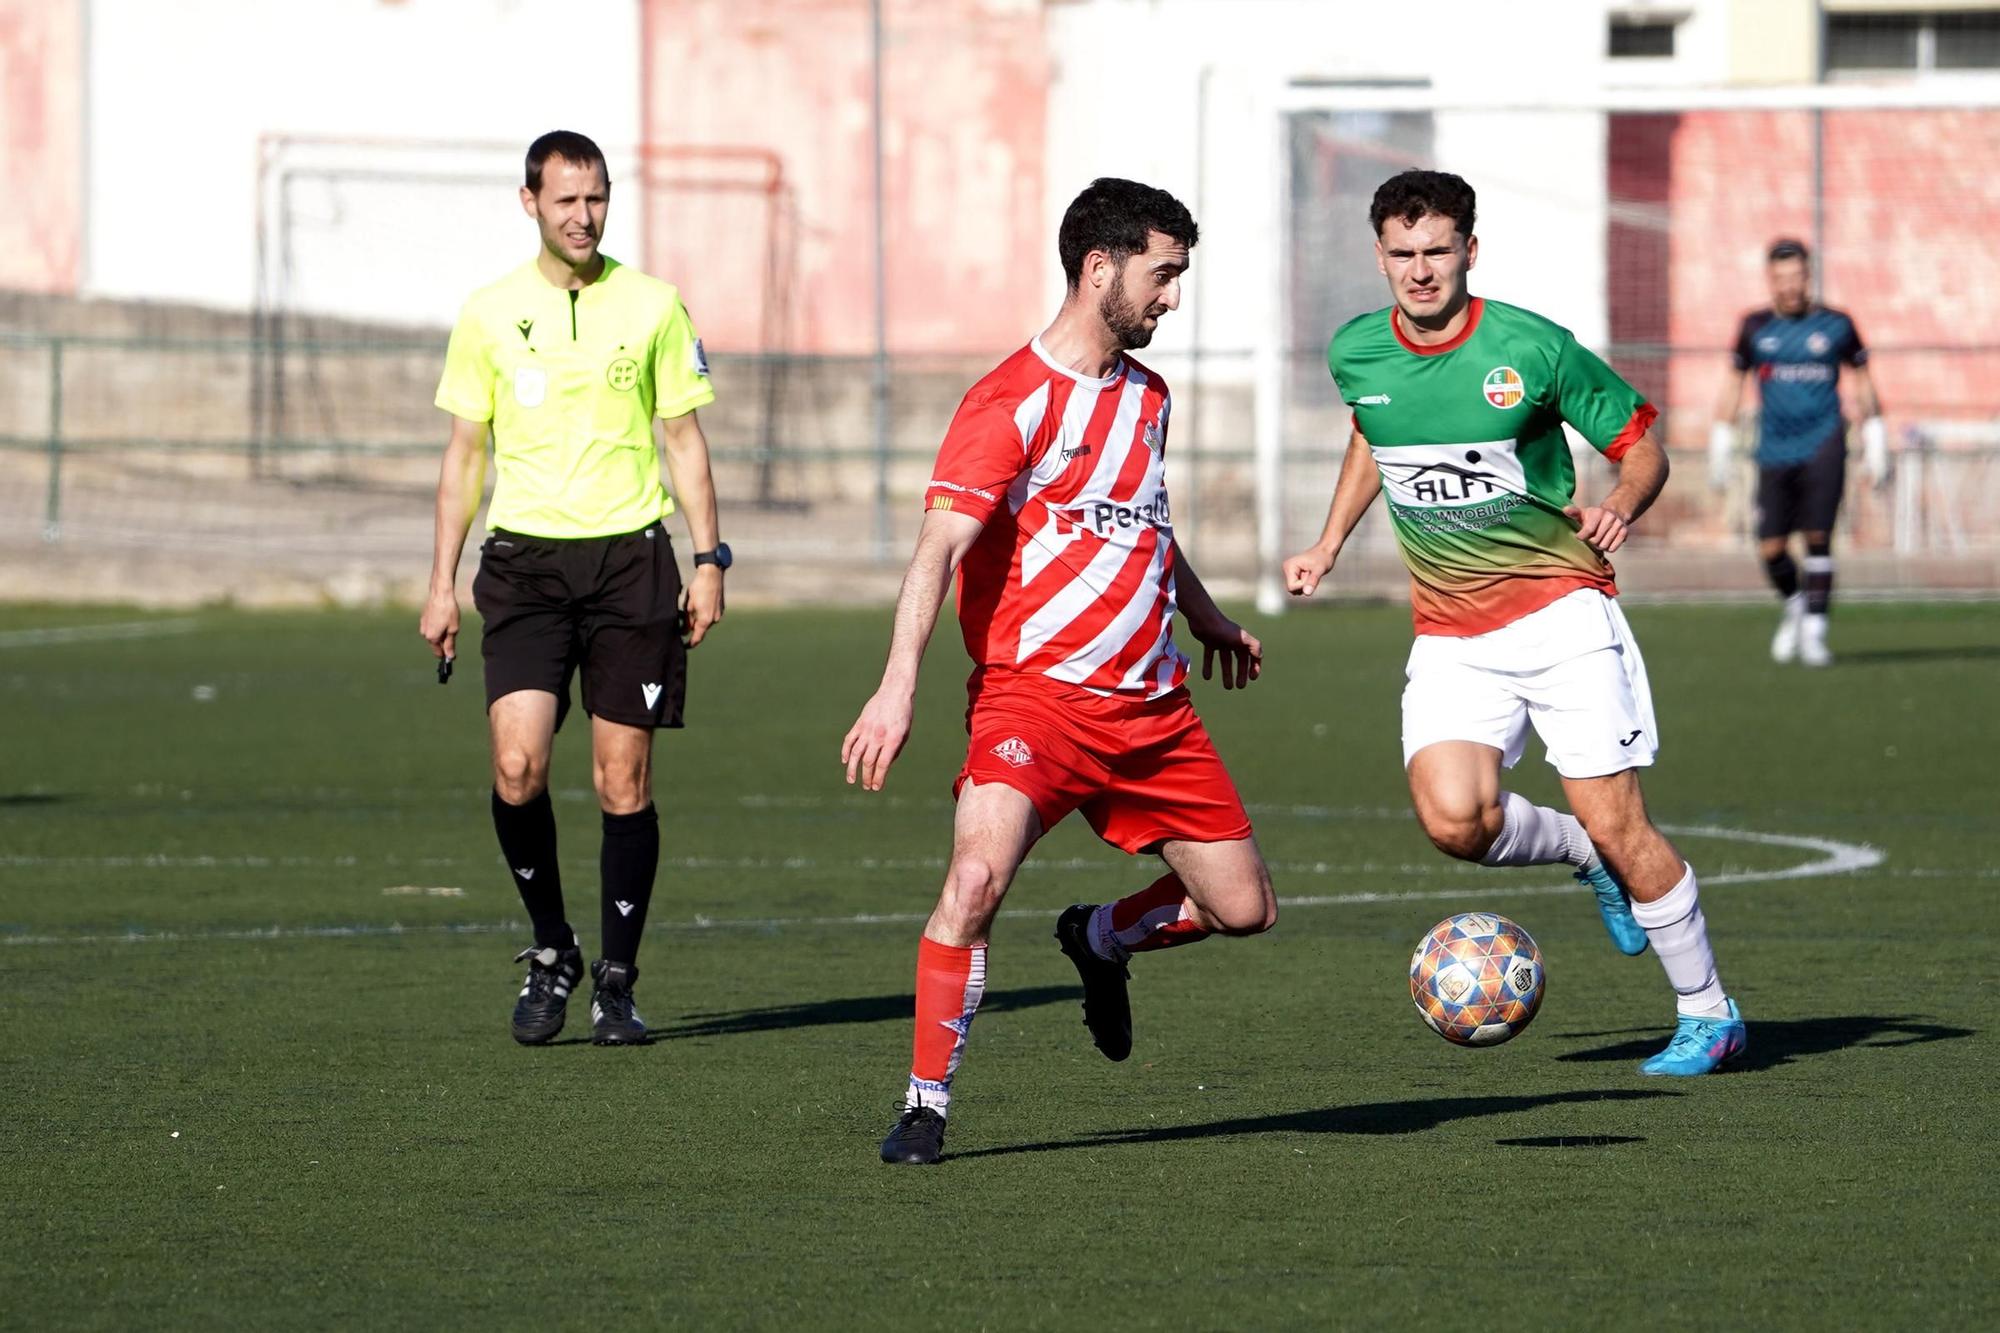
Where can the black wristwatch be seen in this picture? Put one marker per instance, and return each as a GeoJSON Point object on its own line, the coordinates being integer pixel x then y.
{"type": "Point", "coordinates": [719, 557]}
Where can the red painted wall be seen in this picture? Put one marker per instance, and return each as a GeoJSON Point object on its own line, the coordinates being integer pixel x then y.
{"type": "Point", "coordinates": [41, 133]}
{"type": "Point", "coordinates": [964, 98]}
{"type": "Point", "coordinates": [1911, 246]}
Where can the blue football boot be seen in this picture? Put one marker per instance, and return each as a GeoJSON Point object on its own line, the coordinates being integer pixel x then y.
{"type": "Point", "coordinates": [1614, 907]}
{"type": "Point", "coordinates": [1700, 1044]}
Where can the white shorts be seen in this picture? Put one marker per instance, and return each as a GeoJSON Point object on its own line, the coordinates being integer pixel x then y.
{"type": "Point", "coordinates": [1572, 669]}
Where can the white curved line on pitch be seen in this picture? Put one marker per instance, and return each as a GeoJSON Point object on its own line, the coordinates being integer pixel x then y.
{"type": "Point", "coordinates": [1835, 858]}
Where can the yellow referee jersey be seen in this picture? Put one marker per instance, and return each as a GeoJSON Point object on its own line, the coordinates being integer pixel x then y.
{"type": "Point", "coordinates": [571, 381]}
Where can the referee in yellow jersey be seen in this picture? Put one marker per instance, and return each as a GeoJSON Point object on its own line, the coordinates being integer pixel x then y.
{"type": "Point", "coordinates": [567, 360]}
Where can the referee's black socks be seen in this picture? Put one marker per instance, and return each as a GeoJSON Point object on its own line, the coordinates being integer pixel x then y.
{"type": "Point", "coordinates": [528, 841]}
{"type": "Point", "coordinates": [629, 860]}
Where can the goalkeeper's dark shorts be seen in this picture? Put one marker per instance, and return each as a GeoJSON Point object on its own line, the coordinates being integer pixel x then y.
{"type": "Point", "coordinates": [607, 607]}
{"type": "Point", "coordinates": [1803, 497]}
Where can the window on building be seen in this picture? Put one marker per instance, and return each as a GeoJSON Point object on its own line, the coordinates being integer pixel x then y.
{"type": "Point", "coordinates": [1968, 41]}
{"type": "Point", "coordinates": [1636, 36]}
{"type": "Point", "coordinates": [1912, 41]}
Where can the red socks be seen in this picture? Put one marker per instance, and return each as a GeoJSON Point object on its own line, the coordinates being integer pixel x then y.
{"type": "Point", "coordinates": [950, 981]}
{"type": "Point", "coordinates": [1158, 916]}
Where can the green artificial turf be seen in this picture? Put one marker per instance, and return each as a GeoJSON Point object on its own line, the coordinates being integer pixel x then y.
{"type": "Point", "coordinates": [255, 977]}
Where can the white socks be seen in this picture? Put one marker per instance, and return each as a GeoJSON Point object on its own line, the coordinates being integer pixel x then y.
{"type": "Point", "coordinates": [1534, 835]}
{"type": "Point", "coordinates": [1679, 936]}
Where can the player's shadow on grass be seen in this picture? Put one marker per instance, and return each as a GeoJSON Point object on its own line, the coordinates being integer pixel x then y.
{"type": "Point", "coordinates": [34, 798]}
{"type": "Point", "coordinates": [856, 1009]}
{"type": "Point", "coordinates": [1407, 1117]}
{"type": "Point", "coordinates": [1776, 1042]}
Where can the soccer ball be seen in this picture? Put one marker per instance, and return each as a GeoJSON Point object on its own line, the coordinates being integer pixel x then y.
{"type": "Point", "coordinates": [1477, 978]}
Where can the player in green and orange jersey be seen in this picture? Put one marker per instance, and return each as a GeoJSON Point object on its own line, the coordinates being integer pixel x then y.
{"type": "Point", "coordinates": [1459, 405]}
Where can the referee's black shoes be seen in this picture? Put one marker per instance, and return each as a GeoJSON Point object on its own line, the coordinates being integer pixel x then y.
{"type": "Point", "coordinates": [552, 975]}
{"type": "Point", "coordinates": [1107, 1008]}
{"type": "Point", "coordinates": [613, 1020]}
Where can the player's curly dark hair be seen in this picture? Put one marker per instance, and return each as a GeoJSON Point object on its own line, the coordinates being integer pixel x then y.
{"type": "Point", "coordinates": [1117, 217]}
{"type": "Point", "coordinates": [570, 147]}
{"type": "Point", "coordinates": [1410, 195]}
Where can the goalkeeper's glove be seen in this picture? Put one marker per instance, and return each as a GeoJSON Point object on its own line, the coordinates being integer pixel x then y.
{"type": "Point", "coordinates": [1875, 450]}
{"type": "Point", "coordinates": [1721, 445]}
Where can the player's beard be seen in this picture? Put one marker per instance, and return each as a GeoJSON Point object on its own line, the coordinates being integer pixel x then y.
{"type": "Point", "coordinates": [1126, 321]}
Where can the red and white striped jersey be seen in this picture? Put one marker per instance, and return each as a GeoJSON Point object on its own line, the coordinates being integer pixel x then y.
{"type": "Point", "coordinates": [1073, 577]}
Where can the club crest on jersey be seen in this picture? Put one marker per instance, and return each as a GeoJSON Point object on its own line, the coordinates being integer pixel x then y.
{"type": "Point", "coordinates": [1817, 343]}
{"type": "Point", "coordinates": [1155, 435]}
{"type": "Point", "coordinates": [1503, 387]}
{"type": "Point", "coordinates": [1015, 751]}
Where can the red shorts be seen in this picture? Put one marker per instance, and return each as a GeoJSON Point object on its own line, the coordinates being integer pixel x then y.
{"type": "Point", "coordinates": [1143, 772]}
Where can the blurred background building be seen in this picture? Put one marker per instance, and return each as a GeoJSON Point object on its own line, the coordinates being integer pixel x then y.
{"type": "Point", "coordinates": [241, 231]}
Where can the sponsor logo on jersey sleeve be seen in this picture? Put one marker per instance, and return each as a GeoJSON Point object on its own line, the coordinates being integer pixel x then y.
{"type": "Point", "coordinates": [700, 359]}
{"type": "Point", "coordinates": [1373, 400]}
{"type": "Point", "coordinates": [1503, 388]}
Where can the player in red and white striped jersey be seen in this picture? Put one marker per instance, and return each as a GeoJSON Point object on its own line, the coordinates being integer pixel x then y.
{"type": "Point", "coordinates": [1049, 501]}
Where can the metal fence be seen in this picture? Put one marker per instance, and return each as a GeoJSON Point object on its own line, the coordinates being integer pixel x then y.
{"type": "Point", "coordinates": [157, 460]}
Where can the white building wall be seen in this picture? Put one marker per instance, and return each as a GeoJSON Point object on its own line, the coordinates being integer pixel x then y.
{"type": "Point", "coordinates": [179, 93]}
{"type": "Point", "coordinates": [1128, 98]}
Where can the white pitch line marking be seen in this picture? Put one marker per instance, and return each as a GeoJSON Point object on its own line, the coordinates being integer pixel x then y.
{"type": "Point", "coordinates": [1834, 858]}
{"type": "Point", "coordinates": [123, 629]}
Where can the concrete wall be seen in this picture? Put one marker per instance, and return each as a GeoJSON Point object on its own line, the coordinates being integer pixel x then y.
{"type": "Point", "coordinates": [179, 94]}
{"type": "Point", "coordinates": [41, 133]}
{"type": "Point", "coordinates": [1910, 249]}
{"type": "Point", "coordinates": [963, 104]}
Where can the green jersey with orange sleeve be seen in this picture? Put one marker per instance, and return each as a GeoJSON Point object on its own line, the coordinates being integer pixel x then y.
{"type": "Point", "coordinates": [1468, 437]}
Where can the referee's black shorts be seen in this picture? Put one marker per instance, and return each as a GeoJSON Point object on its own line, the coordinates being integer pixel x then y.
{"type": "Point", "coordinates": [607, 605]}
{"type": "Point", "coordinates": [1803, 497]}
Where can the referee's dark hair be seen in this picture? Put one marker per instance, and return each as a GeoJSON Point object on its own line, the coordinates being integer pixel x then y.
{"type": "Point", "coordinates": [570, 147]}
{"type": "Point", "coordinates": [1788, 248]}
{"type": "Point", "coordinates": [1413, 195]}
{"type": "Point", "coordinates": [1117, 217]}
